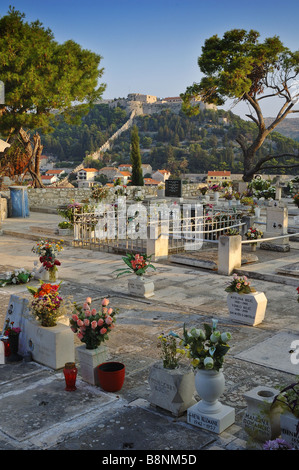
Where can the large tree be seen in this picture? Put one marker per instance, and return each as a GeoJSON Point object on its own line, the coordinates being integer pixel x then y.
{"type": "Point", "coordinates": [137, 175]}
{"type": "Point", "coordinates": [41, 78]}
{"type": "Point", "coordinates": [241, 68]}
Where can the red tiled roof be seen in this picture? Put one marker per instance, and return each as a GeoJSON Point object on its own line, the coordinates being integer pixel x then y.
{"type": "Point", "coordinates": [89, 169]}
{"type": "Point", "coordinates": [219, 173]}
{"type": "Point", "coordinates": [55, 172]}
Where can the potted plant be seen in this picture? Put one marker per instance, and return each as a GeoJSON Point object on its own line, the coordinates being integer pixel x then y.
{"type": "Point", "coordinates": [171, 382]}
{"type": "Point", "coordinates": [92, 328]}
{"type": "Point", "coordinates": [245, 304]}
{"type": "Point", "coordinates": [253, 234]}
{"type": "Point", "coordinates": [12, 333]}
{"type": "Point", "coordinates": [206, 349]}
{"type": "Point", "coordinates": [160, 190]}
{"type": "Point", "coordinates": [48, 251]}
{"type": "Point", "coordinates": [65, 228]}
{"type": "Point", "coordinates": [288, 399]}
{"type": "Point", "coordinates": [138, 264]}
{"type": "Point", "coordinates": [18, 276]}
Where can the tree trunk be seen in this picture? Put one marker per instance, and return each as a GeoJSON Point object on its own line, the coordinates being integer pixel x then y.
{"type": "Point", "coordinates": [33, 152]}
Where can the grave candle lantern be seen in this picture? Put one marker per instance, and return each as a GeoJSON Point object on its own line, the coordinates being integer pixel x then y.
{"type": "Point", "coordinates": [70, 374]}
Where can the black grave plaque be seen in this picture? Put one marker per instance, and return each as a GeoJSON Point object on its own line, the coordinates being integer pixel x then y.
{"type": "Point", "coordinates": [173, 188]}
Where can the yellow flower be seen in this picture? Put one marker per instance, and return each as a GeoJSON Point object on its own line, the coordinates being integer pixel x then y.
{"type": "Point", "coordinates": [195, 362]}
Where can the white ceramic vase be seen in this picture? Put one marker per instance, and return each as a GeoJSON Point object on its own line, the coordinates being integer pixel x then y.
{"type": "Point", "coordinates": [209, 385]}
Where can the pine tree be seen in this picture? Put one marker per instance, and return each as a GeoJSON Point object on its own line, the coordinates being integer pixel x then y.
{"type": "Point", "coordinates": [137, 177]}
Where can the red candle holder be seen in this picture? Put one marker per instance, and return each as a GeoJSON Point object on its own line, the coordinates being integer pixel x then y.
{"type": "Point", "coordinates": [6, 347]}
{"type": "Point", "coordinates": [70, 374]}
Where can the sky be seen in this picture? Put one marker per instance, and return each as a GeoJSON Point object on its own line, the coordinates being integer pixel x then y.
{"type": "Point", "coordinates": [152, 46]}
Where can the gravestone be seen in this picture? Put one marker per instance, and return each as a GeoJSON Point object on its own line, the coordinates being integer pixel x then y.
{"type": "Point", "coordinates": [248, 309]}
{"type": "Point", "coordinates": [16, 308]}
{"type": "Point", "coordinates": [260, 421]}
{"type": "Point", "coordinates": [276, 226]}
{"type": "Point", "coordinates": [173, 188]}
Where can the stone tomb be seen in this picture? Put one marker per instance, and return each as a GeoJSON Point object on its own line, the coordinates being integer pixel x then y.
{"type": "Point", "coordinates": [248, 309]}
{"type": "Point", "coordinates": [276, 226]}
{"type": "Point", "coordinates": [52, 346]}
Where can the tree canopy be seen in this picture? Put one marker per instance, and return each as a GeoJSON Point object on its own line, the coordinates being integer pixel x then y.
{"type": "Point", "coordinates": [241, 68]}
{"type": "Point", "coordinates": [41, 78]}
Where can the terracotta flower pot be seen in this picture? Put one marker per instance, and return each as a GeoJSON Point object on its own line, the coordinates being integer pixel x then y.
{"type": "Point", "coordinates": [111, 376]}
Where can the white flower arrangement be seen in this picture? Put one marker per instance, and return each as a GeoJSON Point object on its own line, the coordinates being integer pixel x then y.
{"type": "Point", "coordinates": [18, 276]}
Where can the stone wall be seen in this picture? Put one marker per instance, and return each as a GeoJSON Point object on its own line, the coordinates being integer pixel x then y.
{"type": "Point", "coordinates": [55, 197]}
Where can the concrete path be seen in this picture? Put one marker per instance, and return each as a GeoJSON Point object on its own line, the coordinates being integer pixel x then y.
{"type": "Point", "coordinates": [36, 412]}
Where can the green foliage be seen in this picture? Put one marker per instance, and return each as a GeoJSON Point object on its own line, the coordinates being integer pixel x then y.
{"type": "Point", "coordinates": [137, 176]}
{"type": "Point", "coordinates": [41, 75]}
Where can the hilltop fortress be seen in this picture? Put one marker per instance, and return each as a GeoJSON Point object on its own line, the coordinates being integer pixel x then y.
{"type": "Point", "coordinates": [149, 104]}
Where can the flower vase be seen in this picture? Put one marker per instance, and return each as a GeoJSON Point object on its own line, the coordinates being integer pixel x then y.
{"type": "Point", "coordinates": [140, 287]}
{"type": "Point", "coordinates": [14, 356]}
{"type": "Point", "coordinates": [172, 389]}
{"type": "Point", "coordinates": [53, 274]}
{"type": "Point", "coordinates": [209, 413]}
{"type": "Point", "coordinates": [89, 360]}
{"type": "Point", "coordinates": [209, 385]}
{"type": "Point", "coordinates": [253, 246]}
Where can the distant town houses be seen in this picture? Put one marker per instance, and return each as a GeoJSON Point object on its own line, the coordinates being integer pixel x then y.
{"type": "Point", "coordinates": [49, 179]}
{"type": "Point", "coordinates": [218, 177]}
{"type": "Point", "coordinates": [161, 175]}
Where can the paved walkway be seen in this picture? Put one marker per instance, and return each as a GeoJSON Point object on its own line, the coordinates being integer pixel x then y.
{"type": "Point", "coordinates": [36, 412]}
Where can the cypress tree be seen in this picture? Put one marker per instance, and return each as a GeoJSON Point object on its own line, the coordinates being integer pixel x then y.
{"type": "Point", "coordinates": [137, 176]}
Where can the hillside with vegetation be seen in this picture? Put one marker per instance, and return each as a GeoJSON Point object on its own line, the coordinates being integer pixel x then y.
{"type": "Point", "coordinates": [182, 144]}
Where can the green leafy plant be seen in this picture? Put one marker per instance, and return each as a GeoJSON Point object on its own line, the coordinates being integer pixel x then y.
{"type": "Point", "coordinates": [288, 398]}
{"type": "Point", "coordinates": [169, 352]}
{"type": "Point", "coordinates": [65, 225]}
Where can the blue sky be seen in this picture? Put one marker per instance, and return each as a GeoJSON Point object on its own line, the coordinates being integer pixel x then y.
{"type": "Point", "coordinates": [152, 46]}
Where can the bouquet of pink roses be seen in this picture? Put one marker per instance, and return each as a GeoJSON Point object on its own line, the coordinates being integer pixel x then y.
{"type": "Point", "coordinates": [92, 327]}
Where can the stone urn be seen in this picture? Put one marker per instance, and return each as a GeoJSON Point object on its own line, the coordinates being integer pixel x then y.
{"type": "Point", "coordinates": [172, 389]}
{"type": "Point", "coordinates": [139, 286]}
{"type": "Point", "coordinates": [209, 413]}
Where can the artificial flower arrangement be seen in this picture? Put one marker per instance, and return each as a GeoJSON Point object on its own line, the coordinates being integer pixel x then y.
{"type": "Point", "coordinates": [277, 444]}
{"type": "Point", "coordinates": [71, 209]}
{"type": "Point", "coordinates": [46, 303]}
{"type": "Point", "coordinates": [240, 284]}
{"type": "Point", "coordinates": [205, 347]}
{"type": "Point", "coordinates": [253, 234]}
{"type": "Point", "coordinates": [48, 251]}
{"type": "Point", "coordinates": [92, 327]}
{"type": "Point", "coordinates": [296, 199]}
{"type": "Point", "coordinates": [170, 354]}
{"type": "Point", "coordinates": [18, 276]}
{"type": "Point", "coordinates": [137, 264]}
{"type": "Point", "coordinates": [215, 187]}
{"type": "Point", "coordinates": [10, 330]}
{"type": "Point", "coordinates": [228, 196]}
